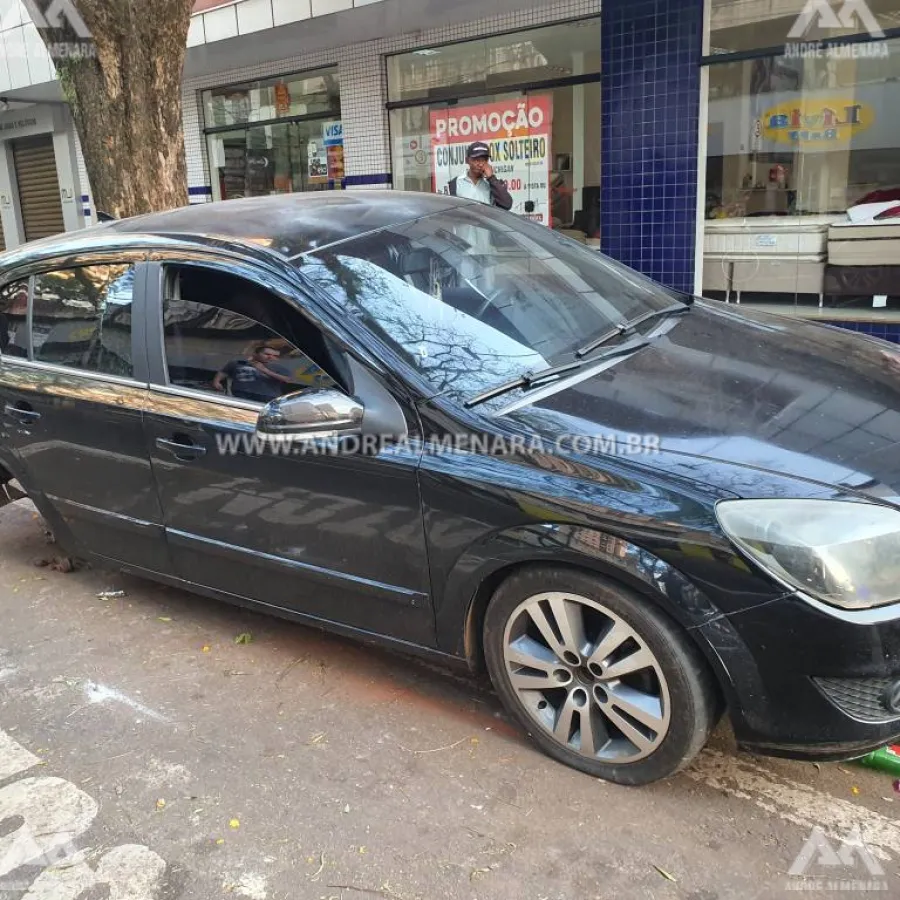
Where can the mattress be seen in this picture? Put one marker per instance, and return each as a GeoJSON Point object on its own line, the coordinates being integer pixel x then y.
{"type": "Point", "coordinates": [864, 244]}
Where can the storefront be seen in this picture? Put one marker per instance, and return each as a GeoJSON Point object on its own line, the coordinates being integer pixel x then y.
{"type": "Point", "coordinates": [275, 136]}
{"type": "Point", "coordinates": [798, 134]}
{"type": "Point", "coordinates": [40, 192]}
{"type": "Point", "coordinates": [532, 95]}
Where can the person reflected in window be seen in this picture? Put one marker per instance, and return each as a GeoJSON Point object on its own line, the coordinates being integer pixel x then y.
{"type": "Point", "coordinates": [258, 378]}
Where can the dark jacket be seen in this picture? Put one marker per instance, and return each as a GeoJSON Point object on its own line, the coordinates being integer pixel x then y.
{"type": "Point", "coordinates": [500, 196]}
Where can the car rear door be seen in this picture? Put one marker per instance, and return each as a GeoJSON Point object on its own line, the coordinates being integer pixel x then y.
{"type": "Point", "coordinates": [340, 538]}
{"type": "Point", "coordinates": [73, 382]}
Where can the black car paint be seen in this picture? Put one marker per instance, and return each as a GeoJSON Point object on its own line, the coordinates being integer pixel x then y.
{"type": "Point", "coordinates": [647, 520]}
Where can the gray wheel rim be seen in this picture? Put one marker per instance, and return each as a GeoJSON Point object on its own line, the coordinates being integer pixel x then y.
{"type": "Point", "coordinates": [586, 677]}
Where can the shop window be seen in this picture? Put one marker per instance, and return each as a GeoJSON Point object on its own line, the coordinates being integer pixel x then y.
{"type": "Point", "coordinates": [545, 141]}
{"type": "Point", "coordinates": [496, 62]}
{"type": "Point", "coordinates": [276, 136]}
{"type": "Point", "coordinates": [793, 144]}
{"type": "Point", "coordinates": [737, 26]}
{"type": "Point", "coordinates": [82, 318]}
{"type": "Point", "coordinates": [308, 94]}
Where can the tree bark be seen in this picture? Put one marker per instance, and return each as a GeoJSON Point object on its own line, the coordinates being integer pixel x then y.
{"type": "Point", "coordinates": [125, 96]}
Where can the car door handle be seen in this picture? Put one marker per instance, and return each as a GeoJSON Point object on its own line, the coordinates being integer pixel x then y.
{"type": "Point", "coordinates": [181, 450]}
{"type": "Point", "coordinates": [21, 412]}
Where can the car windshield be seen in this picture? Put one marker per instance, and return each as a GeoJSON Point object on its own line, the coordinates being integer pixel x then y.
{"type": "Point", "coordinates": [472, 297]}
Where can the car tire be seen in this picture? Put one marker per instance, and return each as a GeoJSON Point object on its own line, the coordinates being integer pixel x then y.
{"type": "Point", "coordinates": [609, 715]}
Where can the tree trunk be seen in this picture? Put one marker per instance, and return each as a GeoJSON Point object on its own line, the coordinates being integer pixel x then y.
{"type": "Point", "coordinates": [125, 95]}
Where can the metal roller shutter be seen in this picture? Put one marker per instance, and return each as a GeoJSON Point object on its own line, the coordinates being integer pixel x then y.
{"type": "Point", "coordinates": [39, 197]}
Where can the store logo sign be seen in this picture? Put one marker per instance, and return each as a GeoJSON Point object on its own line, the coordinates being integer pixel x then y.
{"type": "Point", "coordinates": [822, 14]}
{"type": "Point", "coordinates": [827, 122]}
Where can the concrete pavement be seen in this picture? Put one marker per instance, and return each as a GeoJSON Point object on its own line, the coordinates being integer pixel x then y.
{"type": "Point", "coordinates": [148, 756]}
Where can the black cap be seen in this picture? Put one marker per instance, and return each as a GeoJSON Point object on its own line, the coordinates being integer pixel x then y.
{"type": "Point", "coordinates": [477, 150]}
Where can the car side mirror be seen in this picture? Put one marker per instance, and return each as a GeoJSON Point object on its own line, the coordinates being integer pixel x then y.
{"type": "Point", "coordinates": [312, 414]}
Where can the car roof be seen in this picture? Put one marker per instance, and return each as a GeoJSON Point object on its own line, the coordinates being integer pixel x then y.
{"type": "Point", "coordinates": [286, 225]}
{"type": "Point", "coordinates": [290, 224]}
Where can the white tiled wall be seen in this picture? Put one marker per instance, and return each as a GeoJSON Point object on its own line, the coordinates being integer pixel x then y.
{"type": "Point", "coordinates": [24, 60]}
{"type": "Point", "coordinates": [363, 81]}
{"type": "Point", "coordinates": [247, 16]}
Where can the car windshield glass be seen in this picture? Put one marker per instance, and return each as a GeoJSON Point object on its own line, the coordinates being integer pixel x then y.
{"type": "Point", "coordinates": [472, 297]}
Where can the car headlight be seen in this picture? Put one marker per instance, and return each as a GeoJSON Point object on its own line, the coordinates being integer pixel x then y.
{"type": "Point", "coordinates": [842, 553]}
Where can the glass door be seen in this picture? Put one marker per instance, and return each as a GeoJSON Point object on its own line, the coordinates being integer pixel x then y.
{"type": "Point", "coordinates": [281, 158]}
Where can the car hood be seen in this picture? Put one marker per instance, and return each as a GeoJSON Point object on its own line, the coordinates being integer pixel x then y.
{"type": "Point", "coordinates": [735, 395]}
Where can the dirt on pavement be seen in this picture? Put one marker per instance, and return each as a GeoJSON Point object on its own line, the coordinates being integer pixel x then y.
{"type": "Point", "coordinates": [300, 765]}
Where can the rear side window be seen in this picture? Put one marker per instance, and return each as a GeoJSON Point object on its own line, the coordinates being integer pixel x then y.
{"type": "Point", "coordinates": [14, 319]}
{"type": "Point", "coordinates": [82, 318]}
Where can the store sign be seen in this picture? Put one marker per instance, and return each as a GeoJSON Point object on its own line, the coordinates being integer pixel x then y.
{"type": "Point", "coordinates": [326, 157]}
{"type": "Point", "coordinates": [518, 133]}
{"type": "Point", "coordinates": [830, 121]}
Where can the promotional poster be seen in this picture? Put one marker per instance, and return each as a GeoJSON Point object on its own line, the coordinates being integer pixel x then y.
{"type": "Point", "coordinates": [518, 133]}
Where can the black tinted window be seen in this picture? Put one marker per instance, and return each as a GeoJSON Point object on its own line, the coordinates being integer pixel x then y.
{"type": "Point", "coordinates": [82, 318]}
{"type": "Point", "coordinates": [14, 319]}
{"type": "Point", "coordinates": [213, 349]}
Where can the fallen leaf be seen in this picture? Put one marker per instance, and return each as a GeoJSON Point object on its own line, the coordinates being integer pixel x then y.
{"type": "Point", "coordinates": [160, 804]}
{"type": "Point", "coordinates": [854, 790]}
{"type": "Point", "coordinates": [244, 638]}
{"type": "Point", "coordinates": [205, 648]}
{"type": "Point", "coordinates": [234, 823]}
{"type": "Point", "coordinates": [477, 873]}
{"type": "Point", "coordinates": [363, 850]}
{"type": "Point", "coordinates": [317, 738]}
{"type": "Point", "coordinates": [664, 873]}
{"type": "Point", "coordinates": [164, 618]}
{"type": "Point", "coordinates": [220, 840]}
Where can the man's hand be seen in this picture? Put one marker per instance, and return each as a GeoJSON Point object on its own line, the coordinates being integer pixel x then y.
{"type": "Point", "coordinates": [261, 367]}
{"type": "Point", "coordinates": [487, 170]}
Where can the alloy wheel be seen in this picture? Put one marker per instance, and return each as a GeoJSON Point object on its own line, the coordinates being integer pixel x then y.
{"type": "Point", "coordinates": [586, 677]}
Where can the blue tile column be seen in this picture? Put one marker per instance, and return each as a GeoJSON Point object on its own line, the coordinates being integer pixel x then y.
{"type": "Point", "coordinates": [651, 52]}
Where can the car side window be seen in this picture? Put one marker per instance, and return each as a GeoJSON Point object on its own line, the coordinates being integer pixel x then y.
{"type": "Point", "coordinates": [82, 318]}
{"type": "Point", "coordinates": [14, 319]}
{"type": "Point", "coordinates": [210, 348]}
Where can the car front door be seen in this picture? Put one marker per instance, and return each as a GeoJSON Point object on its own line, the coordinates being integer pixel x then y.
{"type": "Point", "coordinates": [72, 390]}
{"type": "Point", "coordinates": [336, 537]}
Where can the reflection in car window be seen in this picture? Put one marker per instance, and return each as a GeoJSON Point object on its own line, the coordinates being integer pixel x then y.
{"type": "Point", "coordinates": [471, 297]}
{"type": "Point", "coordinates": [82, 318]}
{"type": "Point", "coordinates": [216, 350]}
{"type": "Point", "coordinates": [14, 319]}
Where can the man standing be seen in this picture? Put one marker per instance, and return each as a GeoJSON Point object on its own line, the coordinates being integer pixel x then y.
{"type": "Point", "coordinates": [480, 183]}
{"type": "Point", "coordinates": [258, 378]}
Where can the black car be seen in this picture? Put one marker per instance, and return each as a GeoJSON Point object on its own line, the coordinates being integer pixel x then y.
{"type": "Point", "coordinates": [420, 420]}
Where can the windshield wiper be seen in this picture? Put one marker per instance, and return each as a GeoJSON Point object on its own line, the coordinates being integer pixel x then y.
{"type": "Point", "coordinates": [554, 373]}
{"type": "Point", "coordinates": [623, 328]}
{"type": "Point", "coordinates": [527, 380]}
